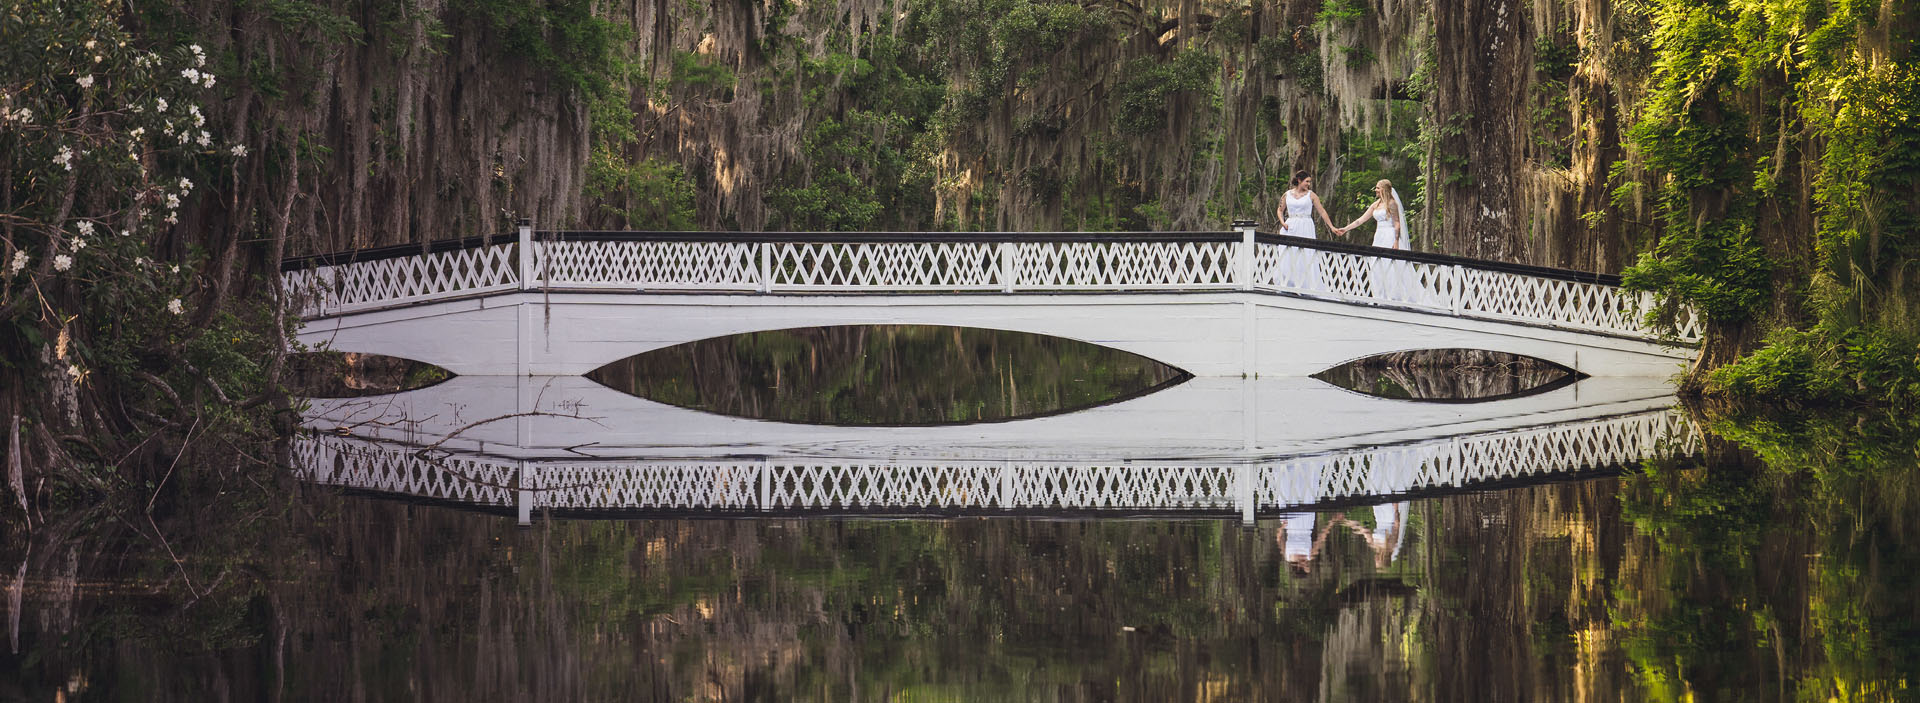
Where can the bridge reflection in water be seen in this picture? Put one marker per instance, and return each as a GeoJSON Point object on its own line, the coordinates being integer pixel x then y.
{"type": "Point", "coordinates": [578, 453]}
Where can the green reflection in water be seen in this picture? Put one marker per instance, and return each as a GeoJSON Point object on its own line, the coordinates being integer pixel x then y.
{"type": "Point", "coordinates": [886, 375]}
{"type": "Point", "coordinates": [1722, 579]}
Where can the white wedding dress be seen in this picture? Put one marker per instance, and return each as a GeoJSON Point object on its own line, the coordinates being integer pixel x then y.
{"type": "Point", "coordinates": [1393, 279]}
{"type": "Point", "coordinates": [1300, 267]}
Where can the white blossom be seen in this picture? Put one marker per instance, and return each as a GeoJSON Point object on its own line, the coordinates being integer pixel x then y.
{"type": "Point", "coordinates": [98, 58]}
{"type": "Point", "coordinates": [191, 75]}
{"type": "Point", "coordinates": [126, 232]}
{"type": "Point", "coordinates": [139, 261]}
{"type": "Point", "coordinates": [73, 371]}
{"type": "Point", "coordinates": [65, 157]}
{"type": "Point", "coordinates": [86, 228]}
{"type": "Point", "coordinates": [198, 119]}
{"type": "Point", "coordinates": [90, 44]}
{"type": "Point", "coordinates": [162, 102]}
{"type": "Point", "coordinates": [209, 82]}
{"type": "Point", "coordinates": [173, 218]}
{"type": "Point", "coordinates": [19, 262]}
{"type": "Point", "coordinates": [62, 262]}
{"type": "Point", "coordinates": [186, 185]}
{"type": "Point", "coordinates": [137, 132]}
{"type": "Point", "coordinates": [205, 139]}
{"type": "Point", "coordinates": [239, 150]}
{"type": "Point", "coordinates": [174, 306]}
{"type": "Point", "coordinates": [199, 57]}
{"type": "Point", "coordinates": [176, 268]}
{"type": "Point", "coordinates": [23, 115]}
{"type": "Point", "coordinates": [173, 201]}
{"type": "Point", "coordinates": [85, 81]}
{"type": "Point", "coordinates": [79, 243]}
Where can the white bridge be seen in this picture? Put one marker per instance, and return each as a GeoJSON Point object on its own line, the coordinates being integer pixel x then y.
{"type": "Point", "coordinates": [1210, 447]}
{"type": "Point", "coordinates": [1213, 304]}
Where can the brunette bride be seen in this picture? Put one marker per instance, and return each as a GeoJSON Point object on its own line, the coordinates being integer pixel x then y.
{"type": "Point", "coordinates": [1296, 219]}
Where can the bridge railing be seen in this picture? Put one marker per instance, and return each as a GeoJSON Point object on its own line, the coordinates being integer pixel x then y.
{"type": "Point", "coordinates": [967, 262]}
{"type": "Point", "coordinates": [916, 485]}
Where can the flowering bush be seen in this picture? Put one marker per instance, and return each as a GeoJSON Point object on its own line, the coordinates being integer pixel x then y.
{"type": "Point", "coordinates": [101, 139]}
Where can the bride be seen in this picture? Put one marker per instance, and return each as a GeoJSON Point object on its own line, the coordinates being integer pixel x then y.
{"type": "Point", "coordinates": [1296, 219]}
{"type": "Point", "coordinates": [1393, 279]}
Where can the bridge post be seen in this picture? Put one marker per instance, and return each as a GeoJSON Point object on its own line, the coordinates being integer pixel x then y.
{"type": "Point", "coordinates": [766, 266]}
{"type": "Point", "coordinates": [1008, 265]}
{"type": "Point", "coordinates": [1244, 484]}
{"type": "Point", "coordinates": [523, 496]}
{"type": "Point", "coordinates": [1245, 269]}
{"type": "Point", "coordinates": [526, 253]}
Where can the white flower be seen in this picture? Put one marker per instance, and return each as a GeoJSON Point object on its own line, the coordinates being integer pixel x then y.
{"type": "Point", "coordinates": [65, 157]}
{"type": "Point", "coordinates": [173, 306]}
{"type": "Point", "coordinates": [198, 119]}
{"type": "Point", "coordinates": [173, 219]}
{"type": "Point", "coordinates": [162, 102]}
{"type": "Point", "coordinates": [205, 139]}
{"type": "Point", "coordinates": [138, 132]}
{"type": "Point", "coordinates": [19, 262]}
{"type": "Point", "coordinates": [209, 82]}
{"type": "Point", "coordinates": [191, 75]}
{"type": "Point", "coordinates": [86, 228]}
{"type": "Point", "coordinates": [98, 58]}
{"type": "Point", "coordinates": [176, 268]}
{"type": "Point", "coordinates": [173, 201]}
{"type": "Point", "coordinates": [239, 150]}
{"type": "Point", "coordinates": [139, 261]}
{"type": "Point", "coordinates": [185, 185]}
{"type": "Point", "coordinates": [90, 44]}
{"type": "Point", "coordinates": [199, 57]}
{"type": "Point", "coordinates": [23, 115]}
{"type": "Point", "coordinates": [85, 81]}
{"type": "Point", "coordinates": [79, 244]}
{"type": "Point", "coordinates": [125, 232]}
{"type": "Point", "coordinates": [73, 371]}
{"type": "Point", "coordinates": [62, 262]}
{"type": "Point", "coordinates": [138, 109]}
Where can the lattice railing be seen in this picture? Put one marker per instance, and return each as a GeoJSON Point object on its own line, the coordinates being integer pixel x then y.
{"type": "Point", "coordinates": [1458, 290]}
{"type": "Point", "coordinates": [991, 262]}
{"type": "Point", "coordinates": [936, 486]}
{"type": "Point", "coordinates": [353, 286]}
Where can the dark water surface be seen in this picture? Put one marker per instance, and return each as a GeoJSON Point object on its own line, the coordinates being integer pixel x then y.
{"type": "Point", "coordinates": [1783, 566]}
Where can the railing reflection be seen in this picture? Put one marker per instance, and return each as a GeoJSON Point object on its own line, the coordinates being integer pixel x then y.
{"type": "Point", "coordinates": [1248, 487]}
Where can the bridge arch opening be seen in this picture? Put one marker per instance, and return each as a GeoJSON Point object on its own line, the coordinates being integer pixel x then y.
{"type": "Point", "coordinates": [330, 373]}
{"type": "Point", "coordinates": [888, 375]}
{"type": "Point", "coordinates": [1450, 375]}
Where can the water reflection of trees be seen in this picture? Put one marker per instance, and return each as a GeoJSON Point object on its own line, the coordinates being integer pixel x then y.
{"type": "Point", "coordinates": [885, 374]}
{"type": "Point", "coordinates": [1447, 374]}
{"type": "Point", "coordinates": [1726, 578]}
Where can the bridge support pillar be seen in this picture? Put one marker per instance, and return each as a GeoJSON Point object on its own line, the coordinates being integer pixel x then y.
{"type": "Point", "coordinates": [1244, 493]}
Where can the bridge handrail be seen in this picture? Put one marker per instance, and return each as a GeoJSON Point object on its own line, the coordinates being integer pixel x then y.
{"type": "Point", "coordinates": [1008, 262]}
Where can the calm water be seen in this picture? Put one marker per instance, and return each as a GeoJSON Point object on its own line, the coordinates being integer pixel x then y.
{"type": "Point", "coordinates": [1709, 575]}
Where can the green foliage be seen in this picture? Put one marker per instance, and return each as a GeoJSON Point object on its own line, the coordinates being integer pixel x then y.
{"type": "Point", "coordinates": [865, 165]}
{"type": "Point", "coordinates": [1144, 95]}
{"type": "Point", "coordinates": [1340, 12]}
{"type": "Point", "coordinates": [566, 40]}
{"type": "Point", "coordinates": [648, 194]}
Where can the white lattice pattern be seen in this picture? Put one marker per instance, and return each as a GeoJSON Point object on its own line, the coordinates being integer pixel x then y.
{"type": "Point", "coordinates": [357, 463]}
{"type": "Point", "coordinates": [1124, 265]}
{"type": "Point", "coordinates": [367, 285]}
{"type": "Point", "coordinates": [658, 265]}
{"type": "Point", "coordinates": [883, 266]}
{"type": "Point", "coordinates": [931, 485]}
